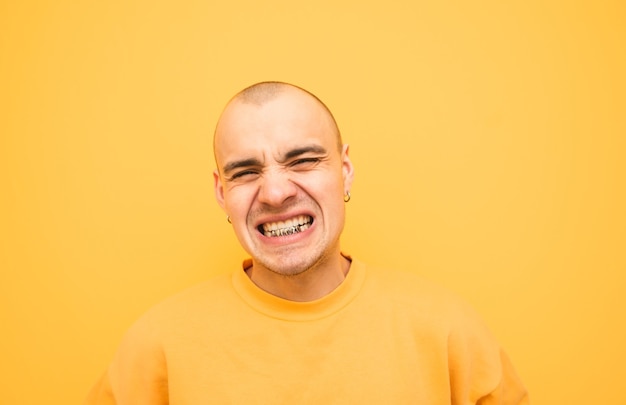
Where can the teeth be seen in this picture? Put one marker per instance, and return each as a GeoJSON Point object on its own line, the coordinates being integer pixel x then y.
{"type": "Point", "coordinates": [288, 227]}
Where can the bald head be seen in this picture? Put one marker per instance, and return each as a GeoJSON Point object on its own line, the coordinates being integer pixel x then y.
{"type": "Point", "coordinates": [261, 93]}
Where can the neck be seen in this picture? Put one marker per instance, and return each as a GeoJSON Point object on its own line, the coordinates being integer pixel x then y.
{"type": "Point", "coordinates": [310, 285]}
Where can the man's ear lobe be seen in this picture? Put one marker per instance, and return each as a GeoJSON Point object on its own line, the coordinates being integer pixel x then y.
{"type": "Point", "coordinates": [218, 188]}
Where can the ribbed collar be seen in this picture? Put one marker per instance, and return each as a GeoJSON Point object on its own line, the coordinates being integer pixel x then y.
{"type": "Point", "coordinates": [280, 308]}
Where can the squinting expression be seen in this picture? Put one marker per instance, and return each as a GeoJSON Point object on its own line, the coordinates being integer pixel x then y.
{"type": "Point", "coordinates": [281, 178]}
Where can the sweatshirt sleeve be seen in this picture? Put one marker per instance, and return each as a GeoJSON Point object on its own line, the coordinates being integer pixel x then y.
{"type": "Point", "coordinates": [480, 371]}
{"type": "Point", "coordinates": [510, 389]}
{"type": "Point", "coordinates": [138, 373]}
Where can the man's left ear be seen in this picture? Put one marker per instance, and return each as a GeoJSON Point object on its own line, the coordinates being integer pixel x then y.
{"type": "Point", "coordinates": [219, 189]}
{"type": "Point", "coordinates": [347, 167]}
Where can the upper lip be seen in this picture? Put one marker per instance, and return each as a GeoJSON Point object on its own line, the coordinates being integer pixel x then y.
{"type": "Point", "coordinates": [281, 217]}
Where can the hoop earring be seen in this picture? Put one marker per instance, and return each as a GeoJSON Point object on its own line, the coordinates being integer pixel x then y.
{"type": "Point", "coordinates": [228, 219]}
{"type": "Point", "coordinates": [347, 197]}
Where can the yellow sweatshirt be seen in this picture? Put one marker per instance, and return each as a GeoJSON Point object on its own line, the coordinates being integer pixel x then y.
{"type": "Point", "coordinates": [381, 337]}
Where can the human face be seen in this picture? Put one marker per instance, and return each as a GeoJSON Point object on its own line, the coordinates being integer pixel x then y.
{"type": "Point", "coordinates": [281, 178]}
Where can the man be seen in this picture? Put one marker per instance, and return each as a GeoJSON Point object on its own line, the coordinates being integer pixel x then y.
{"type": "Point", "coordinates": [301, 322]}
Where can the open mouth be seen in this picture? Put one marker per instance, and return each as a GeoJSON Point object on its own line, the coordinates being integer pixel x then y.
{"type": "Point", "coordinates": [288, 227]}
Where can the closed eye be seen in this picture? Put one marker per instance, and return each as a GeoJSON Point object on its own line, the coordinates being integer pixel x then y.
{"type": "Point", "coordinates": [243, 173]}
{"type": "Point", "coordinates": [305, 161]}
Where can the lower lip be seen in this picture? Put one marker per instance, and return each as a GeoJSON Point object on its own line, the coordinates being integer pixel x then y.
{"type": "Point", "coordinates": [287, 239]}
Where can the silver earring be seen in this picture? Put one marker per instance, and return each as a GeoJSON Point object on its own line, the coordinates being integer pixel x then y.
{"type": "Point", "coordinates": [347, 197]}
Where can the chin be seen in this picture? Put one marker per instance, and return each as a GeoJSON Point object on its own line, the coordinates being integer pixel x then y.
{"type": "Point", "coordinates": [287, 267]}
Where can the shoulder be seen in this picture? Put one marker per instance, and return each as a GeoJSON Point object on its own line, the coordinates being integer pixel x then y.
{"type": "Point", "coordinates": [407, 287]}
{"type": "Point", "coordinates": [202, 295]}
{"type": "Point", "coordinates": [425, 300]}
{"type": "Point", "coordinates": [203, 301]}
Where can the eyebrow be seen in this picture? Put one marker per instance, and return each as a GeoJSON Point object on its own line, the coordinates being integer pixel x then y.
{"type": "Point", "coordinates": [229, 167]}
{"type": "Point", "coordinates": [303, 150]}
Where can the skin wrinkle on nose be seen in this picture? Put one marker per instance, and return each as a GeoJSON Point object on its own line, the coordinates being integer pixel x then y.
{"type": "Point", "coordinates": [272, 191]}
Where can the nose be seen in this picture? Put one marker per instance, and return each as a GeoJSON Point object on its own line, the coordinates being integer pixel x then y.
{"type": "Point", "coordinates": [276, 188]}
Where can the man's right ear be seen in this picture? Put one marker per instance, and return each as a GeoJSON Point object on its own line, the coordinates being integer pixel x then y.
{"type": "Point", "coordinates": [219, 189]}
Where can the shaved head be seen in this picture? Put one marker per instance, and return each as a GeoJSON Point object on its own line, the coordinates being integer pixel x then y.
{"type": "Point", "coordinates": [263, 92]}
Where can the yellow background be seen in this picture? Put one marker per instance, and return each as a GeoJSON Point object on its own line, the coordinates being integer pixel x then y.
{"type": "Point", "coordinates": [488, 139]}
